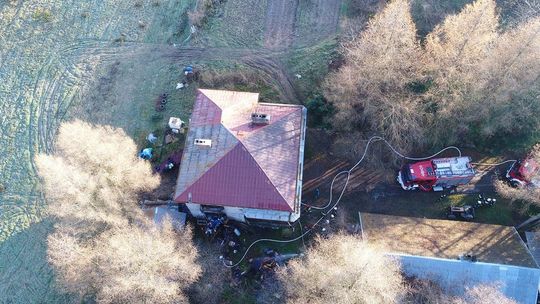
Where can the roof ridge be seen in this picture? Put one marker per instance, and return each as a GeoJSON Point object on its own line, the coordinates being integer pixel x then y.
{"type": "Point", "coordinates": [290, 105]}
{"type": "Point", "coordinates": [281, 120]}
{"type": "Point", "coordinates": [253, 133]}
{"type": "Point", "coordinates": [217, 161]}
{"type": "Point", "coordinates": [264, 172]}
{"type": "Point", "coordinates": [204, 172]}
{"type": "Point", "coordinates": [262, 177]}
{"type": "Point", "coordinates": [210, 99]}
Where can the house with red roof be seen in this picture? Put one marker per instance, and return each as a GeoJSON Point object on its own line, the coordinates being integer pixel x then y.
{"type": "Point", "coordinates": [242, 158]}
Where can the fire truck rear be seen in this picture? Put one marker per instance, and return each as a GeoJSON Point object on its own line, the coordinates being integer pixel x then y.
{"type": "Point", "coordinates": [524, 173]}
{"type": "Point", "coordinates": [436, 174]}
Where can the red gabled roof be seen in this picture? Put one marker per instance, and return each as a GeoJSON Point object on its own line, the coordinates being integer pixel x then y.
{"type": "Point", "coordinates": [247, 166]}
{"type": "Point", "coordinates": [236, 180]}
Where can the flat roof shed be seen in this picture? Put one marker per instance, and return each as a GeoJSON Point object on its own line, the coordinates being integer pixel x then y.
{"type": "Point", "coordinates": [446, 239]}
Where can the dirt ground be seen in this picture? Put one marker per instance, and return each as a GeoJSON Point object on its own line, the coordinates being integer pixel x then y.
{"type": "Point", "coordinates": [375, 190]}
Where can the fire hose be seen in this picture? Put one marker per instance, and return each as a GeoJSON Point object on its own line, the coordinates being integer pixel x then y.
{"type": "Point", "coordinates": [348, 173]}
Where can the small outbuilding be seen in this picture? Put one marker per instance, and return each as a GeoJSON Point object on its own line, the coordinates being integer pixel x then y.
{"type": "Point", "coordinates": [457, 255]}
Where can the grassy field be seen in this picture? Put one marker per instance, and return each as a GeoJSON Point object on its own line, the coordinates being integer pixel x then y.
{"type": "Point", "coordinates": [105, 62]}
{"type": "Point", "coordinates": [235, 23]}
{"type": "Point", "coordinates": [432, 205]}
{"type": "Point", "coordinates": [54, 53]}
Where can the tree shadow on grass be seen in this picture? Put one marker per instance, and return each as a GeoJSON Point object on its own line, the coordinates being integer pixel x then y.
{"type": "Point", "coordinates": [25, 275]}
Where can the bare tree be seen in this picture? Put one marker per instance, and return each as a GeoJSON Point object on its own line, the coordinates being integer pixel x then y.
{"type": "Point", "coordinates": [422, 291]}
{"type": "Point", "coordinates": [210, 286]}
{"type": "Point", "coordinates": [145, 264]}
{"type": "Point", "coordinates": [73, 261]}
{"type": "Point", "coordinates": [94, 174]}
{"type": "Point", "coordinates": [470, 81]}
{"type": "Point", "coordinates": [103, 247]}
{"type": "Point", "coordinates": [485, 80]}
{"type": "Point", "coordinates": [375, 88]}
{"type": "Point", "coordinates": [484, 294]}
{"type": "Point", "coordinates": [455, 49]}
{"type": "Point", "coordinates": [342, 269]}
{"type": "Point", "coordinates": [508, 81]}
{"type": "Point", "coordinates": [522, 10]}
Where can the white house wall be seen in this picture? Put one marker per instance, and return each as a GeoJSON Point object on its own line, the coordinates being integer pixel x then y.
{"type": "Point", "coordinates": [240, 214]}
{"type": "Point", "coordinates": [195, 210]}
{"type": "Point", "coordinates": [271, 215]}
{"type": "Point", "coordinates": [234, 213]}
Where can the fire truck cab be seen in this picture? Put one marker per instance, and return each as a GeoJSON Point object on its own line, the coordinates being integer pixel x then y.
{"type": "Point", "coordinates": [524, 173]}
{"type": "Point", "coordinates": [436, 174]}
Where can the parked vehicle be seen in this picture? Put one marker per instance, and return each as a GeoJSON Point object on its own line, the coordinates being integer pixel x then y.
{"type": "Point", "coordinates": [465, 212]}
{"type": "Point", "coordinates": [524, 173]}
{"type": "Point", "coordinates": [436, 174]}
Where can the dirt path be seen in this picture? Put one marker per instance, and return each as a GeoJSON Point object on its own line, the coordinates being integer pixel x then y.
{"type": "Point", "coordinates": [263, 60]}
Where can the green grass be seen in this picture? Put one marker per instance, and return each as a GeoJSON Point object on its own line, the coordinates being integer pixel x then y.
{"type": "Point", "coordinates": [64, 45]}
{"type": "Point", "coordinates": [432, 205]}
{"type": "Point", "coordinates": [502, 213]}
{"type": "Point", "coordinates": [230, 79]}
{"type": "Point", "coordinates": [43, 15]}
{"type": "Point", "coordinates": [239, 23]}
{"type": "Point", "coordinates": [267, 233]}
{"type": "Point", "coordinates": [237, 296]}
{"type": "Point", "coordinates": [427, 14]}
{"type": "Point", "coordinates": [312, 64]}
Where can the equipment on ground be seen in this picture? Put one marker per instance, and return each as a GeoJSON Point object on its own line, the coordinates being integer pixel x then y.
{"type": "Point", "coordinates": [176, 124]}
{"type": "Point", "coordinates": [436, 174]}
{"type": "Point", "coordinates": [146, 153]}
{"type": "Point", "coordinates": [151, 138]}
{"type": "Point", "coordinates": [465, 212]}
{"type": "Point", "coordinates": [160, 102]}
{"type": "Point", "coordinates": [524, 173]}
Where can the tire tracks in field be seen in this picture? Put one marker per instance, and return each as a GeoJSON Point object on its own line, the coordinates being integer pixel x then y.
{"type": "Point", "coordinates": [279, 36]}
{"type": "Point", "coordinates": [55, 94]}
{"type": "Point", "coordinates": [263, 60]}
{"type": "Point", "coordinates": [279, 23]}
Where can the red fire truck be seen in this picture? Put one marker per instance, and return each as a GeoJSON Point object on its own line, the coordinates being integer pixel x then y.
{"type": "Point", "coordinates": [524, 173]}
{"type": "Point", "coordinates": [436, 174]}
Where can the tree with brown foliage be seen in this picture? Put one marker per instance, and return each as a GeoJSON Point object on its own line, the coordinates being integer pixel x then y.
{"type": "Point", "coordinates": [94, 175]}
{"type": "Point", "coordinates": [508, 81]}
{"type": "Point", "coordinates": [523, 10]}
{"type": "Point", "coordinates": [484, 294]}
{"type": "Point", "coordinates": [342, 269]}
{"type": "Point", "coordinates": [485, 81]}
{"type": "Point", "coordinates": [376, 88]}
{"type": "Point", "coordinates": [469, 82]}
{"type": "Point", "coordinates": [428, 291]}
{"type": "Point", "coordinates": [103, 248]}
{"type": "Point", "coordinates": [455, 49]}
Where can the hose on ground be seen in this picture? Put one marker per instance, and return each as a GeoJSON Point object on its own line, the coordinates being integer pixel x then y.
{"type": "Point", "coordinates": [348, 173]}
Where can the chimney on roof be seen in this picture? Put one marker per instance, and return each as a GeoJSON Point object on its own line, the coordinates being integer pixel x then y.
{"type": "Point", "coordinates": [260, 119]}
{"type": "Point", "coordinates": [203, 143]}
